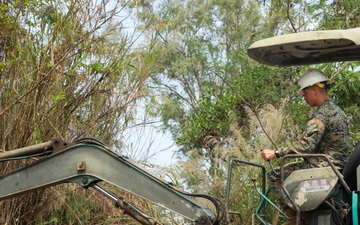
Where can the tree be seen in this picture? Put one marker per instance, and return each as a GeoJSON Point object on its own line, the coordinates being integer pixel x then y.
{"type": "Point", "coordinates": [204, 74]}
{"type": "Point", "coordinates": [68, 70]}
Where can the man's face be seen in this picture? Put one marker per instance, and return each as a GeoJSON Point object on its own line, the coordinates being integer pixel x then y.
{"type": "Point", "coordinates": [309, 95]}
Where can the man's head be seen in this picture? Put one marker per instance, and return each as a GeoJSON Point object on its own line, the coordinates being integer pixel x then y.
{"type": "Point", "coordinates": [313, 86]}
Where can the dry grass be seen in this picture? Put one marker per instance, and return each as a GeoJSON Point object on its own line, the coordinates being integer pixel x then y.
{"type": "Point", "coordinates": [210, 174]}
{"type": "Point", "coordinates": [69, 75]}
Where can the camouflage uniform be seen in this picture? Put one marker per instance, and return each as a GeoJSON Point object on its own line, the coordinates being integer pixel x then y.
{"type": "Point", "coordinates": [326, 133]}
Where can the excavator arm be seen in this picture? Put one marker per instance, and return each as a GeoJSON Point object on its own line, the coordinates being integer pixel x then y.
{"type": "Point", "coordinates": [87, 162]}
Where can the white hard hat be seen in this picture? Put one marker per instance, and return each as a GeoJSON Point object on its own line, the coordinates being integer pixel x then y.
{"type": "Point", "coordinates": [310, 78]}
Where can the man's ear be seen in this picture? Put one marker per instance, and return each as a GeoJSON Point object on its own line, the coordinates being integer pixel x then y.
{"type": "Point", "coordinates": [316, 90]}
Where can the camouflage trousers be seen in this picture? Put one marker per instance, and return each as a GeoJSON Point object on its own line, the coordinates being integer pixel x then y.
{"type": "Point", "coordinates": [274, 179]}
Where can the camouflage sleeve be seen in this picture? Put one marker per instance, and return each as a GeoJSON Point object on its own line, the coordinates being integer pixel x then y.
{"type": "Point", "coordinates": [307, 143]}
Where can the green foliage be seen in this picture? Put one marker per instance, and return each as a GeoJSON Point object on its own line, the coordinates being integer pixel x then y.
{"type": "Point", "coordinates": [341, 15]}
{"type": "Point", "coordinates": [76, 205]}
{"type": "Point", "coordinates": [345, 91]}
{"type": "Point", "coordinates": [80, 209]}
{"type": "Point", "coordinates": [209, 175]}
{"type": "Point", "coordinates": [246, 202]}
{"type": "Point", "coordinates": [210, 119]}
{"type": "Point", "coordinates": [206, 74]}
{"type": "Point", "coordinates": [59, 97]}
{"type": "Point", "coordinates": [250, 89]}
{"type": "Point", "coordinates": [53, 220]}
{"type": "Point", "coordinates": [68, 70]}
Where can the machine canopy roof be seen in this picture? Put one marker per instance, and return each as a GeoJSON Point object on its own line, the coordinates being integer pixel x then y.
{"type": "Point", "coordinates": [306, 48]}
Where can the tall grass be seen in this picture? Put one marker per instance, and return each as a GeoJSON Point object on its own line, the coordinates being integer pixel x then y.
{"type": "Point", "coordinates": [209, 176]}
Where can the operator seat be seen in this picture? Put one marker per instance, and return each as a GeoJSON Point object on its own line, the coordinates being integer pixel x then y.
{"type": "Point", "coordinates": [309, 188]}
{"type": "Point", "coordinates": [317, 209]}
{"type": "Point", "coordinates": [349, 172]}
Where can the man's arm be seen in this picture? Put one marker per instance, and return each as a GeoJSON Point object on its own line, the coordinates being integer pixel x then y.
{"type": "Point", "coordinates": [307, 143]}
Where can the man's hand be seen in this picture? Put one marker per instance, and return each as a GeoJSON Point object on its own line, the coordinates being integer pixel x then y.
{"type": "Point", "coordinates": [268, 154]}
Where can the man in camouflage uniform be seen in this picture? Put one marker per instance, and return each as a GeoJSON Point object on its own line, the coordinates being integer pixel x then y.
{"type": "Point", "coordinates": [326, 132]}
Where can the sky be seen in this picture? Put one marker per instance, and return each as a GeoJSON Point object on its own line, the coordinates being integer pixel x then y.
{"type": "Point", "coordinates": [146, 143]}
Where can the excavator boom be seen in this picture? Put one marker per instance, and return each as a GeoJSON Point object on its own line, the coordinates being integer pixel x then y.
{"type": "Point", "coordinates": [87, 163]}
